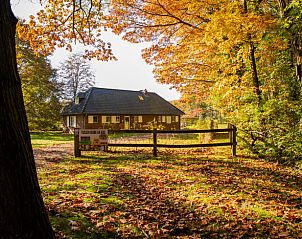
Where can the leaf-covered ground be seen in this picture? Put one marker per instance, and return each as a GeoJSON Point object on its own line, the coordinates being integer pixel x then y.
{"type": "Point", "coordinates": [179, 195]}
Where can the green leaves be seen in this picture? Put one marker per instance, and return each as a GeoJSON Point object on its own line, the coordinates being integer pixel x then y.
{"type": "Point", "coordinates": [40, 89]}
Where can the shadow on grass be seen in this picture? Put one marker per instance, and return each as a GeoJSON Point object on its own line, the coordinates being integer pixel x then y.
{"type": "Point", "coordinates": [174, 196]}
{"type": "Point", "coordinates": [272, 184]}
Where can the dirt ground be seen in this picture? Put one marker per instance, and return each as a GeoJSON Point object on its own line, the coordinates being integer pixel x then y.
{"type": "Point", "coordinates": [54, 153]}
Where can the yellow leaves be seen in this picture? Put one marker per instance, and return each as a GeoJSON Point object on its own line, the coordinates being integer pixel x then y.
{"type": "Point", "coordinates": [231, 28]}
{"type": "Point", "coordinates": [196, 43]}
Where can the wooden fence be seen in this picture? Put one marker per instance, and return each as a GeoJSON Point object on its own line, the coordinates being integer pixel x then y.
{"type": "Point", "coordinates": [232, 132]}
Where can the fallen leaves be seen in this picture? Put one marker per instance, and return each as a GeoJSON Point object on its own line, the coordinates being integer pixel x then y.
{"type": "Point", "coordinates": [174, 196]}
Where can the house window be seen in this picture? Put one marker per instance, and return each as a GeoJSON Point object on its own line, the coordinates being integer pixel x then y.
{"type": "Point", "coordinates": [138, 119]}
{"type": "Point", "coordinates": [175, 118]}
{"type": "Point", "coordinates": [72, 121]}
{"type": "Point", "coordinates": [106, 119]}
{"type": "Point", "coordinates": [163, 118]}
{"type": "Point", "coordinates": [67, 121]}
{"type": "Point", "coordinates": [77, 100]}
{"type": "Point", "coordinates": [159, 118]}
{"type": "Point", "coordinates": [168, 119]}
{"type": "Point", "coordinates": [92, 119]}
{"type": "Point", "coordinates": [115, 119]}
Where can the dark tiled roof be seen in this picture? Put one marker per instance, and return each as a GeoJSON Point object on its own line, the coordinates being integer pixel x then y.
{"type": "Point", "coordinates": [112, 101]}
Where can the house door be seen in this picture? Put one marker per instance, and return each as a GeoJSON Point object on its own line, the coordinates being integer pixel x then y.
{"type": "Point", "coordinates": [127, 122]}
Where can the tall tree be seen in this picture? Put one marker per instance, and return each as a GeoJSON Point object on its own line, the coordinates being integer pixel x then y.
{"type": "Point", "coordinates": [232, 52]}
{"type": "Point", "coordinates": [194, 42]}
{"type": "Point", "coordinates": [291, 15]}
{"type": "Point", "coordinates": [23, 214]}
{"type": "Point", "coordinates": [40, 88]}
{"type": "Point", "coordinates": [76, 75]}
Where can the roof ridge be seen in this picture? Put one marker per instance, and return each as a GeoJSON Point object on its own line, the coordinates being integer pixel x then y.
{"type": "Point", "coordinates": [87, 98]}
{"type": "Point", "coordinates": [100, 88]}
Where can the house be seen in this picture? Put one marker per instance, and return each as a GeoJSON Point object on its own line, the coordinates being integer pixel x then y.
{"type": "Point", "coordinates": [100, 108]}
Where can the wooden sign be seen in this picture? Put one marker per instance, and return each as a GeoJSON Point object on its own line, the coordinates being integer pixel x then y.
{"type": "Point", "coordinates": [93, 139]}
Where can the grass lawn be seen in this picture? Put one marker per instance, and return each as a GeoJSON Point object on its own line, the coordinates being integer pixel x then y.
{"type": "Point", "coordinates": [44, 139]}
{"type": "Point", "coordinates": [177, 195]}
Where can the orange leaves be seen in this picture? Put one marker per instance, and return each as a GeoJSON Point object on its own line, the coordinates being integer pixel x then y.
{"type": "Point", "coordinates": [62, 23]}
{"type": "Point", "coordinates": [199, 43]}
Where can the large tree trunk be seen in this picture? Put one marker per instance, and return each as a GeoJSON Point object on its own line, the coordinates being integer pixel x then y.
{"type": "Point", "coordinates": [22, 211]}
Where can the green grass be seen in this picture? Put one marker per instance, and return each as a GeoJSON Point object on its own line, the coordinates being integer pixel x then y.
{"type": "Point", "coordinates": [193, 138]}
{"type": "Point", "coordinates": [44, 139]}
{"type": "Point", "coordinates": [180, 194]}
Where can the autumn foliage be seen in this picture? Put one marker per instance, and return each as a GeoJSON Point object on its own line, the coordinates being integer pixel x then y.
{"type": "Point", "coordinates": [61, 23]}
{"type": "Point", "coordinates": [241, 57]}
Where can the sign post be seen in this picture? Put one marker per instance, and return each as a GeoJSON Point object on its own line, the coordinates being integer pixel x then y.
{"type": "Point", "coordinates": [90, 140]}
{"type": "Point", "coordinates": [77, 151]}
{"type": "Point", "coordinates": [155, 142]}
{"type": "Point", "coordinates": [234, 141]}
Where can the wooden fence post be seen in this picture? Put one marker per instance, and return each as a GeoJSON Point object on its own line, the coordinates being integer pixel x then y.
{"type": "Point", "coordinates": [234, 140]}
{"type": "Point", "coordinates": [76, 145]}
{"type": "Point", "coordinates": [230, 126]}
{"type": "Point", "coordinates": [155, 142]}
{"type": "Point", "coordinates": [211, 135]}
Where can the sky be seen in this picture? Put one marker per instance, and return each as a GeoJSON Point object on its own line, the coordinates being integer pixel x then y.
{"type": "Point", "coordinates": [129, 72]}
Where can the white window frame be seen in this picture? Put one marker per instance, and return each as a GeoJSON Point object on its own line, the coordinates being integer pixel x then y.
{"type": "Point", "coordinates": [72, 121]}
{"type": "Point", "coordinates": [163, 118]}
{"type": "Point", "coordinates": [67, 121]}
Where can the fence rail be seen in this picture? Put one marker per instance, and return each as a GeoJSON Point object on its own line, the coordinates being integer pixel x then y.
{"type": "Point", "coordinates": [188, 131]}
{"type": "Point", "coordinates": [232, 131]}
